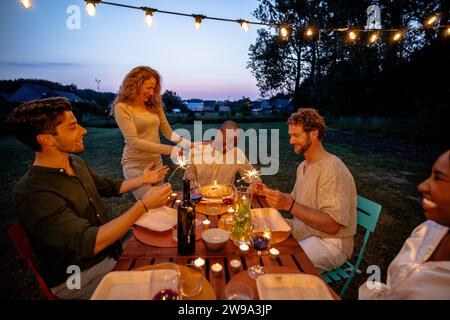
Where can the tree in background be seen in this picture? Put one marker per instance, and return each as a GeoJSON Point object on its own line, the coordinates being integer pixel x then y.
{"type": "Point", "coordinates": [172, 101]}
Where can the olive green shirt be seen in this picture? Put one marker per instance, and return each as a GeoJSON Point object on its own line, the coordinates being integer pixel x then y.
{"type": "Point", "coordinates": [61, 215]}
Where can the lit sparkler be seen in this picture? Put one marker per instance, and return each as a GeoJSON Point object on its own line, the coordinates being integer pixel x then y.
{"type": "Point", "coordinates": [181, 164]}
{"type": "Point", "coordinates": [251, 175]}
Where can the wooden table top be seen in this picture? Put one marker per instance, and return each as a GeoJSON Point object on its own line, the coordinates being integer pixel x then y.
{"type": "Point", "coordinates": [137, 254]}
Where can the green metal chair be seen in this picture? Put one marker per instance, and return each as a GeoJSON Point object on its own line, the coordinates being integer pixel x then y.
{"type": "Point", "coordinates": [368, 213]}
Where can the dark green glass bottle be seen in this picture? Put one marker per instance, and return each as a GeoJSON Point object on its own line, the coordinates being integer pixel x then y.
{"type": "Point", "coordinates": [186, 222]}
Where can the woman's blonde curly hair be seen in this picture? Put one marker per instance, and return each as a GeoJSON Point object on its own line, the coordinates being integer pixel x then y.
{"type": "Point", "coordinates": [133, 81]}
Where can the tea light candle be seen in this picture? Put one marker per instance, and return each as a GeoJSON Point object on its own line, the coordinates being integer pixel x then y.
{"type": "Point", "coordinates": [244, 248]}
{"type": "Point", "coordinates": [230, 210]}
{"type": "Point", "coordinates": [174, 195]}
{"type": "Point", "coordinates": [235, 265]}
{"type": "Point", "coordinates": [206, 223]}
{"type": "Point", "coordinates": [177, 201]}
{"type": "Point", "coordinates": [274, 253]}
{"type": "Point", "coordinates": [199, 262]}
{"type": "Point", "coordinates": [217, 269]}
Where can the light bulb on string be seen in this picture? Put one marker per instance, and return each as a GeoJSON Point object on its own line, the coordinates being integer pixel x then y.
{"type": "Point", "coordinates": [373, 37]}
{"type": "Point", "coordinates": [284, 32]}
{"type": "Point", "coordinates": [244, 25]}
{"type": "Point", "coordinates": [149, 18]}
{"type": "Point", "coordinates": [90, 8]}
{"type": "Point", "coordinates": [431, 21]}
{"type": "Point", "coordinates": [309, 32]}
{"type": "Point", "coordinates": [27, 4]}
{"type": "Point", "coordinates": [198, 22]}
{"type": "Point", "coordinates": [397, 36]}
{"type": "Point", "coordinates": [352, 35]}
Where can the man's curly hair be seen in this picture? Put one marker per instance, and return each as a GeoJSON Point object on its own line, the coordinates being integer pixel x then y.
{"type": "Point", "coordinates": [36, 117]}
{"type": "Point", "coordinates": [310, 120]}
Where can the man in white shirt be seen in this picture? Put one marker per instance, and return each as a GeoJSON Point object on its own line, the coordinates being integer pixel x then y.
{"type": "Point", "coordinates": [421, 270]}
{"type": "Point", "coordinates": [219, 160]}
{"type": "Point", "coordinates": [323, 201]}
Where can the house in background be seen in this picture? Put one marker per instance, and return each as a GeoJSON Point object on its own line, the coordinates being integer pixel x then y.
{"type": "Point", "coordinates": [209, 105]}
{"type": "Point", "coordinates": [284, 105]}
{"type": "Point", "coordinates": [195, 106]}
{"type": "Point", "coordinates": [28, 92]}
{"type": "Point", "coordinates": [224, 109]}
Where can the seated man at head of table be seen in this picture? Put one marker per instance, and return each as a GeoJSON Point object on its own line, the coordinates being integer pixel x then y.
{"type": "Point", "coordinates": [219, 160]}
{"type": "Point", "coordinates": [58, 200]}
{"type": "Point", "coordinates": [323, 201]}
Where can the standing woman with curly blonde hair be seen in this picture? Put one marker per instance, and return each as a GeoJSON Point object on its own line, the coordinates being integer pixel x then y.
{"type": "Point", "coordinates": [139, 113]}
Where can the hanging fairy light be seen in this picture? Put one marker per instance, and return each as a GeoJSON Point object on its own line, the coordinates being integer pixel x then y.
{"type": "Point", "coordinates": [148, 17]}
{"type": "Point", "coordinates": [397, 36]}
{"type": "Point", "coordinates": [352, 35]}
{"type": "Point", "coordinates": [373, 37]}
{"type": "Point", "coordinates": [198, 21]}
{"type": "Point", "coordinates": [90, 7]}
{"type": "Point", "coordinates": [309, 32]}
{"type": "Point", "coordinates": [431, 20]}
{"type": "Point", "coordinates": [244, 25]}
{"type": "Point", "coordinates": [27, 4]}
{"type": "Point", "coordinates": [283, 32]}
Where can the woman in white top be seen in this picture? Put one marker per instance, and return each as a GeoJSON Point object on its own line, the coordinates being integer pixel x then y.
{"type": "Point", "coordinates": [139, 113]}
{"type": "Point", "coordinates": [421, 270]}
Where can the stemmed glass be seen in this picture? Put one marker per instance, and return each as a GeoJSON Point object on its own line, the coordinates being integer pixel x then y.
{"type": "Point", "coordinates": [165, 282]}
{"type": "Point", "coordinates": [261, 237]}
{"type": "Point", "coordinates": [228, 199]}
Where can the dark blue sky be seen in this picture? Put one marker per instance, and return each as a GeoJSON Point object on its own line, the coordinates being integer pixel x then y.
{"type": "Point", "coordinates": [208, 63]}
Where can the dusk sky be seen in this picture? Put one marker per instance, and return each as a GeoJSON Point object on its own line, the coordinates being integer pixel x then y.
{"type": "Point", "coordinates": [209, 63]}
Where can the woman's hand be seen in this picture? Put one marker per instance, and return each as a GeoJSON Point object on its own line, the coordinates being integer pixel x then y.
{"type": "Point", "coordinates": [156, 175]}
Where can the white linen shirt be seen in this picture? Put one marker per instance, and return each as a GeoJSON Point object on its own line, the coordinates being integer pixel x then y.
{"type": "Point", "coordinates": [410, 274]}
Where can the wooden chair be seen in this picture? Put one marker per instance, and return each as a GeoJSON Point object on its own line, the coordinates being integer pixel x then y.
{"type": "Point", "coordinates": [23, 247]}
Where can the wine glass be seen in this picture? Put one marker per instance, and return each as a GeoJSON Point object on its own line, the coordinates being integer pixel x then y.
{"type": "Point", "coordinates": [261, 236]}
{"type": "Point", "coordinates": [228, 199]}
{"type": "Point", "coordinates": [165, 282]}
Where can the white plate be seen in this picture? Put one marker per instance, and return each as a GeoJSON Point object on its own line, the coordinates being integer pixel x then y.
{"type": "Point", "coordinates": [160, 219]}
{"type": "Point", "coordinates": [291, 286]}
{"type": "Point", "coordinates": [273, 217]}
{"type": "Point", "coordinates": [124, 285]}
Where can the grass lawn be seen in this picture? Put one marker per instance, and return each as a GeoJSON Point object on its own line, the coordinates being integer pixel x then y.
{"type": "Point", "coordinates": [386, 171]}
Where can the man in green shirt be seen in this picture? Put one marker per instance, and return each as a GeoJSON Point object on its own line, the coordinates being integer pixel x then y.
{"type": "Point", "coordinates": [58, 201]}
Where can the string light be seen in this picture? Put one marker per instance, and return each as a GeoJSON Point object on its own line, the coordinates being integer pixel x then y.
{"type": "Point", "coordinates": [27, 4]}
{"type": "Point", "coordinates": [198, 21]}
{"type": "Point", "coordinates": [149, 17]}
{"type": "Point", "coordinates": [352, 35]}
{"type": "Point", "coordinates": [373, 37]}
{"type": "Point", "coordinates": [284, 29]}
{"type": "Point", "coordinates": [432, 20]}
{"type": "Point", "coordinates": [309, 32]}
{"type": "Point", "coordinates": [90, 7]}
{"type": "Point", "coordinates": [244, 25]}
{"type": "Point", "coordinates": [284, 32]}
{"type": "Point", "coordinates": [397, 36]}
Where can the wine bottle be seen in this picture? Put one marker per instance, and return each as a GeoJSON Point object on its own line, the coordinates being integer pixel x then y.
{"type": "Point", "coordinates": [186, 222]}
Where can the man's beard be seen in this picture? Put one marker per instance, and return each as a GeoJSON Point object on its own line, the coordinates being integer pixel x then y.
{"type": "Point", "coordinates": [305, 147]}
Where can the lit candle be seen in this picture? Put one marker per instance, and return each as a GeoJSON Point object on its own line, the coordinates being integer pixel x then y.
{"type": "Point", "coordinates": [206, 223]}
{"type": "Point", "coordinates": [244, 248]}
{"type": "Point", "coordinates": [174, 195]}
{"type": "Point", "coordinates": [235, 265]}
{"type": "Point", "coordinates": [274, 253]}
{"type": "Point", "coordinates": [230, 210]}
{"type": "Point", "coordinates": [177, 201]}
{"type": "Point", "coordinates": [216, 269]}
{"type": "Point", "coordinates": [215, 185]}
{"type": "Point", "coordinates": [199, 262]}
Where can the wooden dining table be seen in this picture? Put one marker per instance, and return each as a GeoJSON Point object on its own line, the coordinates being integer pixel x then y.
{"type": "Point", "coordinates": [291, 258]}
